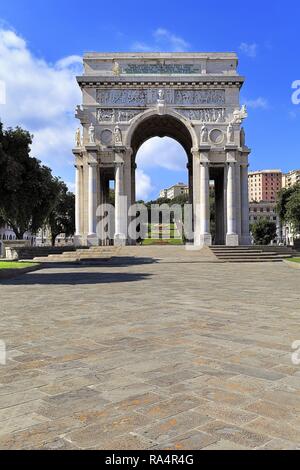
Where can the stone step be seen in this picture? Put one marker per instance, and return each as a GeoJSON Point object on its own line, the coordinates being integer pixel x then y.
{"type": "Point", "coordinates": [251, 260]}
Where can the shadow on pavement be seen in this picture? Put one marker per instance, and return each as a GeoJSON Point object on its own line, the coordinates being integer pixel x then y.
{"type": "Point", "coordinates": [74, 278]}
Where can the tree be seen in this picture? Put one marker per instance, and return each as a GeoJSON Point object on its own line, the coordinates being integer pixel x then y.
{"type": "Point", "coordinates": [292, 214]}
{"type": "Point", "coordinates": [61, 219]}
{"type": "Point", "coordinates": [288, 207]}
{"type": "Point", "coordinates": [263, 232]}
{"type": "Point", "coordinates": [27, 188]}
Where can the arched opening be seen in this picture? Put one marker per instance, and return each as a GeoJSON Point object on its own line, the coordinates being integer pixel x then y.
{"type": "Point", "coordinates": [166, 126]}
{"type": "Point", "coordinates": [162, 163]}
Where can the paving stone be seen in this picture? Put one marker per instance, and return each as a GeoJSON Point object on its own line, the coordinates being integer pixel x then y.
{"type": "Point", "coordinates": [271, 410]}
{"type": "Point", "coordinates": [171, 407]}
{"type": "Point", "coordinates": [195, 440]}
{"type": "Point", "coordinates": [174, 426]}
{"type": "Point", "coordinates": [274, 428]}
{"type": "Point", "coordinates": [236, 434]}
{"type": "Point", "coordinates": [88, 345]}
{"type": "Point", "coordinates": [38, 435]}
{"type": "Point", "coordinates": [224, 412]}
{"type": "Point", "coordinates": [96, 434]}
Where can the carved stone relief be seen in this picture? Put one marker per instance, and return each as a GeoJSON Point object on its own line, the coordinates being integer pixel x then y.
{"type": "Point", "coordinates": [106, 137]}
{"type": "Point", "coordinates": [116, 115]}
{"type": "Point", "coordinates": [137, 97]}
{"type": "Point", "coordinates": [204, 114]}
{"type": "Point", "coordinates": [216, 136]}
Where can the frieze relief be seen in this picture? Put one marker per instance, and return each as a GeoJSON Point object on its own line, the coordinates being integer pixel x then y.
{"type": "Point", "coordinates": [116, 115]}
{"type": "Point", "coordinates": [143, 98]}
{"type": "Point", "coordinates": [204, 114]}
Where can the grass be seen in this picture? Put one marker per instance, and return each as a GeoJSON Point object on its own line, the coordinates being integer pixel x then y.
{"type": "Point", "coordinates": [15, 265]}
{"type": "Point", "coordinates": [295, 260]}
{"type": "Point", "coordinates": [165, 241]}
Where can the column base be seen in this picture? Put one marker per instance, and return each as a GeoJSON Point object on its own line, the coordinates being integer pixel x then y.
{"type": "Point", "coordinates": [232, 239]}
{"type": "Point", "coordinates": [204, 239]}
{"type": "Point", "coordinates": [78, 240]}
{"type": "Point", "coordinates": [92, 240]}
{"type": "Point", "coordinates": [245, 240]}
{"type": "Point", "coordinates": [120, 239]}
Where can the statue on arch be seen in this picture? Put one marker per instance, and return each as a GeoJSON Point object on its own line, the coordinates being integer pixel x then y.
{"type": "Point", "coordinates": [204, 135]}
{"type": "Point", "coordinates": [116, 68]}
{"type": "Point", "coordinates": [118, 135]}
{"type": "Point", "coordinates": [161, 95]}
{"type": "Point", "coordinates": [78, 138]}
{"type": "Point", "coordinates": [239, 115]}
{"type": "Point", "coordinates": [91, 134]}
{"type": "Point", "coordinates": [230, 134]}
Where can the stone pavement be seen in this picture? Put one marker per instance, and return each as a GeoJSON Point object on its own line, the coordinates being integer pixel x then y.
{"type": "Point", "coordinates": [153, 350]}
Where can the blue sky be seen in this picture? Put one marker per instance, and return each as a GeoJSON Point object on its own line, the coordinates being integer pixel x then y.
{"type": "Point", "coordinates": [41, 44]}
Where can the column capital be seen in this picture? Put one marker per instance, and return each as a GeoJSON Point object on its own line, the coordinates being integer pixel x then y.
{"type": "Point", "coordinates": [93, 164]}
{"type": "Point", "coordinates": [92, 148]}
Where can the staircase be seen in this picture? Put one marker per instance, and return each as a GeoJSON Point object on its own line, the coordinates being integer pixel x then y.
{"type": "Point", "coordinates": [92, 255]}
{"type": "Point", "coordinates": [251, 254]}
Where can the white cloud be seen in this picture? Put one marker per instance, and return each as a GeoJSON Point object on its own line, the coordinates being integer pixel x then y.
{"type": "Point", "coordinates": [257, 103]}
{"type": "Point", "coordinates": [176, 43]}
{"type": "Point", "coordinates": [40, 97]}
{"type": "Point", "coordinates": [249, 49]}
{"type": "Point", "coordinates": [162, 152]}
{"type": "Point", "coordinates": [162, 40]}
{"type": "Point", "coordinates": [143, 185]}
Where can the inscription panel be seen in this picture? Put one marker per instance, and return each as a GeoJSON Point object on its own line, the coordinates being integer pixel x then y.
{"type": "Point", "coordinates": [144, 69]}
{"type": "Point", "coordinates": [138, 97]}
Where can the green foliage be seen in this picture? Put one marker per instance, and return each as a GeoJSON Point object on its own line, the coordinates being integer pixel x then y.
{"type": "Point", "coordinates": [263, 232]}
{"type": "Point", "coordinates": [288, 207]}
{"type": "Point", "coordinates": [27, 188]}
{"type": "Point", "coordinates": [292, 214]}
{"type": "Point", "coordinates": [61, 218]}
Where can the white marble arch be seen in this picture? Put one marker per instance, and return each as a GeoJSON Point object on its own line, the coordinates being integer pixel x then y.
{"type": "Point", "coordinates": [154, 112]}
{"type": "Point", "coordinates": [191, 97]}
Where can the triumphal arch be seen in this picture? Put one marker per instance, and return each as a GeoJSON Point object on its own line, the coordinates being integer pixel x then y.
{"type": "Point", "coordinates": [191, 97]}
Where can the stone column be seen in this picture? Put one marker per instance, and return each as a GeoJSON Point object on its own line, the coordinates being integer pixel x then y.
{"type": "Point", "coordinates": [219, 198]}
{"type": "Point", "coordinates": [202, 234]}
{"type": "Point", "coordinates": [232, 238]}
{"type": "Point", "coordinates": [190, 180]}
{"type": "Point", "coordinates": [238, 201]}
{"type": "Point", "coordinates": [120, 204]}
{"type": "Point", "coordinates": [92, 199]}
{"type": "Point", "coordinates": [78, 170]}
{"type": "Point", "coordinates": [245, 231]}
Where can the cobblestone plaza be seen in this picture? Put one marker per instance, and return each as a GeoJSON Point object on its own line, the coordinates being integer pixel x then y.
{"type": "Point", "coordinates": [158, 348]}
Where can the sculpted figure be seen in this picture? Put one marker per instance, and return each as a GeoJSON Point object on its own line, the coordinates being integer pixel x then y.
{"type": "Point", "coordinates": [91, 134]}
{"type": "Point", "coordinates": [118, 135]}
{"type": "Point", "coordinates": [78, 138]}
{"type": "Point", "coordinates": [116, 68]}
{"type": "Point", "coordinates": [239, 115]}
{"type": "Point", "coordinates": [230, 134]}
{"type": "Point", "coordinates": [161, 95]}
{"type": "Point", "coordinates": [204, 134]}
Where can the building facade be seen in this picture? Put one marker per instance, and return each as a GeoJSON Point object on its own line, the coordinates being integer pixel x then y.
{"type": "Point", "coordinates": [179, 189]}
{"type": "Point", "coordinates": [191, 97]}
{"type": "Point", "coordinates": [291, 178]}
{"type": "Point", "coordinates": [264, 185]}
